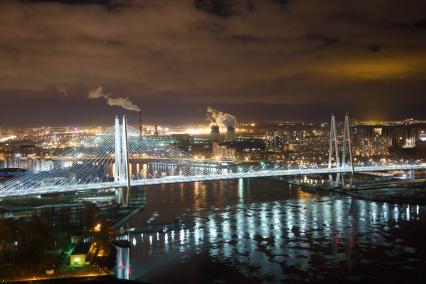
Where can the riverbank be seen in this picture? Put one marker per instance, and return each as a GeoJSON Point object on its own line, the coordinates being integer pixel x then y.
{"type": "Point", "coordinates": [133, 211]}
{"type": "Point", "coordinates": [400, 195]}
{"type": "Point", "coordinates": [411, 192]}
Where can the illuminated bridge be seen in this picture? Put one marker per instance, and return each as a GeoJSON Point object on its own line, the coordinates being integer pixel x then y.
{"type": "Point", "coordinates": [120, 159]}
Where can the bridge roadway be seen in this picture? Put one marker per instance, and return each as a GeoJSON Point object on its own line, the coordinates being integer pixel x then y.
{"type": "Point", "coordinates": [16, 192]}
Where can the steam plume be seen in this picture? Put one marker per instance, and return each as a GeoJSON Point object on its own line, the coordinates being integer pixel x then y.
{"type": "Point", "coordinates": [216, 117]}
{"type": "Point", "coordinates": [62, 90]}
{"type": "Point", "coordinates": [125, 103]}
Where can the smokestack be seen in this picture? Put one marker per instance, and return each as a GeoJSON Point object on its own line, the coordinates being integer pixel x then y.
{"type": "Point", "coordinates": [156, 130]}
{"type": "Point", "coordinates": [218, 118]}
{"type": "Point", "coordinates": [230, 133]}
{"type": "Point", "coordinates": [140, 123]}
{"type": "Point", "coordinates": [214, 133]}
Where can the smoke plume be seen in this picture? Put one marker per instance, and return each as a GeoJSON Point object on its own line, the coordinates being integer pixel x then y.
{"type": "Point", "coordinates": [62, 90]}
{"type": "Point", "coordinates": [216, 117]}
{"type": "Point", "coordinates": [125, 103]}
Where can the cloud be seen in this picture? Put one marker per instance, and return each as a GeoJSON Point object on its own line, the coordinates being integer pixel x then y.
{"type": "Point", "coordinates": [238, 52]}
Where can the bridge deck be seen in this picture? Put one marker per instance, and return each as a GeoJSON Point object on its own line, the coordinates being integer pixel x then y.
{"type": "Point", "coordinates": [12, 192]}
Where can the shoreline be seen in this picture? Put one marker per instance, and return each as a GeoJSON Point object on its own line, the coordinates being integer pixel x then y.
{"type": "Point", "coordinates": [385, 194]}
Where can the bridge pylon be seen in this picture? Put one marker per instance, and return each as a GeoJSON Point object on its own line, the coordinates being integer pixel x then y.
{"type": "Point", "coordinates": [117, 150]}
{"type": "Point", "coordinates": [121, 159]}
{"type": "Point", "coordinates": [347, 145]}
{"type": "Point", "coordinates": [333, 142]}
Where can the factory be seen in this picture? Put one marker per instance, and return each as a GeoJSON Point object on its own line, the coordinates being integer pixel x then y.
{"type": "Point", "coordinates": [218, 119]}
{"type": "Point", "coordinates": [223, 147]}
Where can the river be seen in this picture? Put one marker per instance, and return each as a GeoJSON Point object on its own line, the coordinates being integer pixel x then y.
{"type": "Point", "coordinates": [264, 230]}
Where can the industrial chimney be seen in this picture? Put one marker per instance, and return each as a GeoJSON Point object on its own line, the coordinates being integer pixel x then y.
{"type": "Point", "coordinates": [140, 123]}
{"type": "Point", "coordinates": [214, 133]}
{"type": "Point", "coordinates": [230, 134]}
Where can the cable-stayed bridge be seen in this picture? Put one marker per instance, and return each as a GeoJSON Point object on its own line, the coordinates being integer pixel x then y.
{"type": "Point", "coordinates": [121, 158]}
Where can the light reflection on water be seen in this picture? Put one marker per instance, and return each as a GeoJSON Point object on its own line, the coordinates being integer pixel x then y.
{"type": "Point", "coordinates": [267, 230]}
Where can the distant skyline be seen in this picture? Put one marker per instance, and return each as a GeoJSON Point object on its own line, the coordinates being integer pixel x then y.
{"type": "Point", "coordinates": [260, 60]}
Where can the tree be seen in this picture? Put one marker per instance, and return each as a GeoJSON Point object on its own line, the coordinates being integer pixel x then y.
{"type": "Point", "coordinates": [35, 241]}
{"type": "Point", "coordinates": [7, 233]}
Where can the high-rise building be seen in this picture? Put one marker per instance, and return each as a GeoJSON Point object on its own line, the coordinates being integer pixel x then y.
{"type": "Point", "coordinates": [222, 151]}
{"type": "Point", "coordinates": [275, 140]}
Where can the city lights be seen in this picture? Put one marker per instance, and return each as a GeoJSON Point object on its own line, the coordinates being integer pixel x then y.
{"type": "Point", "coordinates": [212, 141]}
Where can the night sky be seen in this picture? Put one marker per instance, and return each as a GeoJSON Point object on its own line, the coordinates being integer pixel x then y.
{"type": "Point", "coordinates": [260, 60]}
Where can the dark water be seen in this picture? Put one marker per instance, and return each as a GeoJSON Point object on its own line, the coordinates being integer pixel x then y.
{"type": "Point", "coordinates": [261, 230]}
